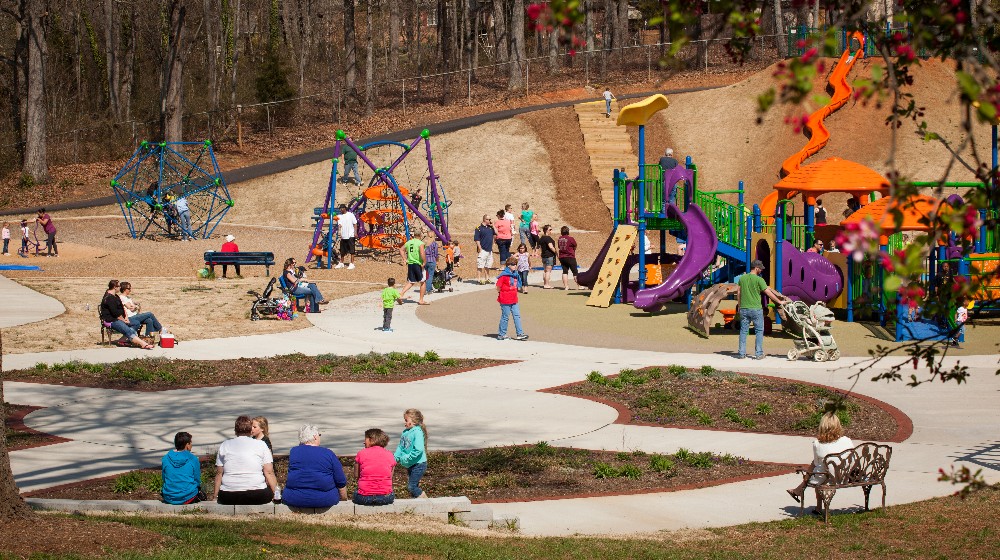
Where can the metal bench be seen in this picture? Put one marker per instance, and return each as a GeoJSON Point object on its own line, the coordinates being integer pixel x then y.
{"type": "Point", "coordinates": [865, 466]}
{"type": "Point", "coordinates": [242, 258]}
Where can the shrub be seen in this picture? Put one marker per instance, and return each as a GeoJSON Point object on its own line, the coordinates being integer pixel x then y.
{"type": "Point", "coordinates": [654, 373]}
{"type": "Point", "coordinates": [41, 366]}
{"type": "Point", "coordinates": [431, 356]}
{"type": "Point", "coordinates": [604, 470]}
{"type": "Point", "coordinates": [707, 370]}
{"type": "Point", "coordinates": [763, 409]}
{"type": "Point", "coordinates": [449, 362]}
{"type": "Point", "coordinates": [629, 471]}
{"type": "Point", "coordinates": [733, 416]}
{"type": "Point", "coordinates": [676, 370]}
{"type": "Point", "coordinates": [383, 369]}
{"type": "Point", "coordinates": [133, 481]}
{"type": "Point", "coordinates": [702, 460]}
{"type": "Point", "coordinates": [543, 448]}
{"type": "Point", "coordinates": [700, 415]}
{"type": "Point", "coordinates": [661, 464]}
{"type": "Point", "coordinates": [631, 377]}
{"type": "Point", "coordinates": [325, 369]}
{"type": "Point", "coordinates": [622, 456]}
{"type": "Point", "coordinates": [596, 378]}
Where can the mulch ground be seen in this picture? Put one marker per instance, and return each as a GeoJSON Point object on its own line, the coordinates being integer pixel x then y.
{"type": "Point", "coordinates": [17, 436]}
{"type": "Point", "coordinates": [498, 474]}
{"type": "Point", "coordinates": [675, 396]}
{"type": "Point", "coordinates": [159, 374]}
{"type": "Point", "coordinates": [48, 536]}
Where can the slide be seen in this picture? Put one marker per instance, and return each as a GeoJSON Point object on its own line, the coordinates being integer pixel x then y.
{"type": "Point", "coordinates": [701, 245]}
{"type": "Point", "coordinates": [808, 277]}
{"type": "Point", "coordinates": [818, 133]}
{"type": "Point", "coordinates": [589, 277]}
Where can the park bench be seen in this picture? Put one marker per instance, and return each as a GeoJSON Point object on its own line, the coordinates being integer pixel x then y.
{"type": "Point", "coordinates": [242, 258]}
{"type": "Point", "coordinates": [865, 466]}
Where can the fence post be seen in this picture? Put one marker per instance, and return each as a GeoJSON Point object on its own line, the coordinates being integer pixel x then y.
{"type": "Point", "coordinates": [649, 65]}
{"type": "Point", "coordinates": [706, 55]}
{"type": "Point", "coordinates": [404, 97]}
{"type": "Point", "coordinates": [586, 69]}
{"type": "Point", "coordinates": [527, 67]}
{"type": "Point", "coordinates": [470, 86]}
{"type": "Point", "coordinates": [239, 126]}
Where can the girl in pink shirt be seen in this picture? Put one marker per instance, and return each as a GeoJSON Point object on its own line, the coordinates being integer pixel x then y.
{"type": "Point", "coordinates": [373, 468]}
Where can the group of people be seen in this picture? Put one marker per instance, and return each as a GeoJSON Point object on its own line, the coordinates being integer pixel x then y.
{"type": "Point", "coordinates": [123, 315]}
{"type": "Point", "coordinates": [316, 479]}
{"type": "Point", "coordinates": [43, 220]}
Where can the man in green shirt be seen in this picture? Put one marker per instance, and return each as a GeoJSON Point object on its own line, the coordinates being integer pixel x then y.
{"type": "Point", "coordinates": [350, 164]}
{"type": "Point", "coordinates": [748, 294]}
{"type": "Point", "coordinates": [413, 254]}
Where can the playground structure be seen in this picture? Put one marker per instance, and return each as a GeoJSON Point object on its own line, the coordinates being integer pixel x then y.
{"type": "Point", "coordinates": [385, 211]}
{"type": "Point", "coordinates": [716, 230]}
{"type": "Point", "coordinates": [159, 172]}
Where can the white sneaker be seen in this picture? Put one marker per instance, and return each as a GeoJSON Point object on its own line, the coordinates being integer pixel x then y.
{"type": "Point", "coordinates": [350, 266]}
{"type": "Point", "coordinates": [339, 265]}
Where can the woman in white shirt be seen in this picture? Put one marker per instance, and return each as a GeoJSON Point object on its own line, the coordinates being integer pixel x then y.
{"type": "Point", "coordinates": [831, 439]}
{"type": "Point", "coordinates": [244, 470]}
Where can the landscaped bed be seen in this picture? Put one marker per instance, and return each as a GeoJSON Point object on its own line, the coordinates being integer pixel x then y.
{"type": "Point", "coordinates": [157, 374]}
{"type": "Point", "coordinates": [707, 398]}
{"type": "Point", "coordinates": [517, 473]}
{"type": "Point", "coordinates": [18, 437]}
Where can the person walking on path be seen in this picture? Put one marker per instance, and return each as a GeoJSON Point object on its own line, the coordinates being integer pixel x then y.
{"type": "Point", "coordinates": [505, 234]}
{"type": "Point", "coordinates": [350, 164]}
{"type": "Point", "coordinates": [567, 257]}
{"type": "Point", "coordinates": [748, 294]}
{"type": "Point", "coordinates": [549, 253]}
{"type": "Point", "coordinates": [50, 233]}
{"type": "Point", "coordinates": [608, 96]}
{"type": "Point", "coordinates": [413, 252]}
{"type": "Point", "coordinates": [508, 285]}
{"type": "Point", "coordinates": [483, 237]}
{"type": "Point", "coordinates": [524, 229]}
{"type": "Point", "coordinates": [230, 246]}
{"type": "Point", "coordinates": [347, 226]}
{"type": "Point", "coordinates": [390, 297]}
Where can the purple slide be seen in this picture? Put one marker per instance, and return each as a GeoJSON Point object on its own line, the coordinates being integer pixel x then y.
{"type": "Point", "coordinates": [808, 277]}
{"type": "Point", "coordinates": [701, 245]}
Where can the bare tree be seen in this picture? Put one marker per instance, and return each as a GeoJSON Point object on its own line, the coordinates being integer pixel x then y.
{"type": "Point", "coordinates": [369, 61]}
{"type": "Point", "coordinates": [393, 39]}
{"type": "Point", "coordinates": [17, 64]}
{"type": "Point", "coordinates": [515, 76]}
{"type": "Point", "coordinates": [501, 39]}
{"type": "Point", "coordinates": [172, 89]}
{"type": "Point", "coordinates": [779, 29]}
{"type": "Point", "coordinates": [35, 158]}
{"type": "Point", "coordinates": [119, 52]}
{"type": "Point", "coordinates": [350, 48]}
{"type": "Point", "coordinates": [12, 506]}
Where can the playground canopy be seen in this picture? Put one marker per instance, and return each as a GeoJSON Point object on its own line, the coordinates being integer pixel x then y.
{"type": "Point", "coordinates": [832, 175]}
{"type": "Point", "coordinates": [918, 212]}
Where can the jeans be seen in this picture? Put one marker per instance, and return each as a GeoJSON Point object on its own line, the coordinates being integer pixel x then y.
{"type": "Point", "coordinates": [416, 472]}
{"type": "Point", "coordinates": [515, 311]}
{"type": "Point", "coordinates": [139, 319]}
{"type": "Point", "coordinates": [430, 267]}
{"type": "Point", "coordinates": [352, 166]}
{"type": "Point", "coordinates": [757, 317]}
{"type": "Point", "coordinates": [376, 500]}
{"type": "Point", "coordinates": [525, 234]}
{"type": "Point", "coordinates": [312, 292]}
{"type": "Point", "coordinates": [122, 327]}
{"type": "Point", "coordinates": [524, 279]}
{"type": "Point", "coordinates": [185, 223]}
{"type": "Point", "coordinates": [607, 106]}
{"type": "Point", "coordinates": [386, 318]}
{"type": "Point", "coordinates": [503, 245]}
{"type": "Point", "coordinates": [6, 243]}
{"type": "Point", "coordinates": [50, 243]}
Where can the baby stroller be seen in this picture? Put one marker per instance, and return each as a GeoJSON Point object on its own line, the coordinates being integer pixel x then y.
{"type": "Point", "coordinates": [265, 305]}
{"type": "Point", "coordinates": [442, 279]}
{"type": "Point", "coordinates": [814, 324]}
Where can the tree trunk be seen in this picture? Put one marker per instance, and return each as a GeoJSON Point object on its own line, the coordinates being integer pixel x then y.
{"type": "Point", "coordinates": [128, 65]}
{"type": "Point", "coordinates": [112, 46]}
{"type": "Point", "coordinates": [35, 158]}
{"type": "Point", "coordinates": [474, 62]}
{"type": "Point", "coordinates": [554, 50]}
{"type": "Point", "coordinates": [350, 49]}
{"type": "Point", "coordinates": [211, 55]}
{"type": "Point", "coordinates": [12, 506]}
{"type": "Point", "coordinates": [588, 25]}
{"type": "Point", "coordinates": [623, 29]}
{"type": "Point", "coordinates": [515, 77]}
{"type": "Point", "coordinates": [393, 39]}
{"type": "Point", "coordinates": [501, 40]}
{"type": "Point", "coordinates": [369, 61]}
{"type": "Point", "coordinates": [779, 30]}
{"type": "Point", "coordinates": [171, 99]}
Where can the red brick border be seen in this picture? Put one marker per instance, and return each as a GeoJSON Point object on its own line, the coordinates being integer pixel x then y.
{"type": "Point", "coordinates": [904, 425]}
{"type": "Point", "coordinates": [16, 420]}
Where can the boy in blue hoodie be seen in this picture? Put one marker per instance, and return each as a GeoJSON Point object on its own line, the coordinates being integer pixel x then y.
{"type": "Point", "coordinates": [181, 473]}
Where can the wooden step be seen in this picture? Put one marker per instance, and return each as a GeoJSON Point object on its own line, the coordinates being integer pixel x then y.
{"type": "Point", "coordinates": [607, 144]}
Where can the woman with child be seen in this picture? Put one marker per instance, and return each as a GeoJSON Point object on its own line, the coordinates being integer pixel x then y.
{"type": "Point", "coordinates": [112, 314]}
{"type": "Point", "coordinates": [297, 286]}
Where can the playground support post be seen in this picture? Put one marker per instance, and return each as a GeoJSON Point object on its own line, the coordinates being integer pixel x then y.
{"type": "Point", "coordinates": [850, 290]}
{"type": "Point", "coordinates": [642, 208]}
{"type": "Point", "coordinates": [741, 193]}
{"type": "Point", "coordinates": [810, 223]}
{"type": "Point", "coordinates": [881, 291]}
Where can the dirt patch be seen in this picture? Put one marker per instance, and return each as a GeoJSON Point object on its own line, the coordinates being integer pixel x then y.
{"type": "Point", "coordinates": [497, 474]}
{"type": "Point", "coordinates": [160, 374]}
{"type": "Point", "coordinates": [45, 535]}
{"type": "Point", "coordinates": [676, 396]}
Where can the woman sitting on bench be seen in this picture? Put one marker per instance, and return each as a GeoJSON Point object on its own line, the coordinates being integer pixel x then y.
{"type": "Point", "coordinates": [299, 287]}
{"type": "Point", "coordinates": [113, 315]}
{"type": "Point", "coordinates": [136, 319]}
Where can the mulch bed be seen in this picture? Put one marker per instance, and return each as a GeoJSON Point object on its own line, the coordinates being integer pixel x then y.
{"type": "Point", "coordinates": [18, 436]}
{"type": "Point", "coordinates": [45, 535]}
{"type": "Point", "coordinates": [496, 474]}
{"type": "Point", "coordinates": [158, 374]}
{"type": "Point", "coordinates": [678, 397]}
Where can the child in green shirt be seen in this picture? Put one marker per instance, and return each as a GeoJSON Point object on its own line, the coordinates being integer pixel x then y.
{"type": "Point", "coordinates": [390, 297]}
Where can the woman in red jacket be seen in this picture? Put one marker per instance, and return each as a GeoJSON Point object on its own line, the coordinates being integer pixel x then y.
{"type": "Point", "coordinates": [230, 246]}
{"type": "Point", "coordinates": [507, 287]}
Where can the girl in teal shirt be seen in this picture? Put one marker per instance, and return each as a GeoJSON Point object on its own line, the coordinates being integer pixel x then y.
{"type": "Point", "coordinates": [412, 451]}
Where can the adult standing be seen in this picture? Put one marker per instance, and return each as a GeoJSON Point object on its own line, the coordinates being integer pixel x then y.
{"type": "Point", "coordinates": [230, 246]}
{"type": "Point", "coordinates": [347, 226]}
{"type": "Point", "coordinates": [608, 96]}
{"type": "Point", "coordinates": [183, 216]}
{"type": "Point", "coordinates": [483, 237]}
{"type": "Point", "coordinates": [748, 294]}
{"type": "Point", "coordinates": [549, 253]}
{"type": "Point", "coordinates": [431, 254]}
{"type": "Point", "coordinates": [820, 213]}
{"type": "Point", "coordinates": [525, 227]}
{"type": "Point", "coordinates": [567, 257]}
{"type": "Point", "coordinates": [244, 469]}
{"type": "Point", "coordinates": [667, 162]}
{"type": "Point", "coordinates": [414, 253]}
{"type": "Point", "coordinates": [505, 234]}
{"type": "Point", "coordinates": [350, 164]}
{"type": "Point", "coordinates": [50, 233]}
{"type": "Point", "coordinates": [316, 478]}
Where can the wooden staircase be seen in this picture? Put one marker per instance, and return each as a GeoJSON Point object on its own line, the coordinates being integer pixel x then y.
{"type": "Point", "coordinates": [608, 146]}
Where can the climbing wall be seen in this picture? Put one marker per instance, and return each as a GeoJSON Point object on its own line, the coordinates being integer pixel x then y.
{"type": "Point", "coordinates": [705, 304]}
{"type": "Point", "coordinates": [611, 267]}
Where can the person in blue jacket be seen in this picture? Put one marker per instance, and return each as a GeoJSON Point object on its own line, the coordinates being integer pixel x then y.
{"type": "Point", "coordinates": [181, 473]}
{"type": "Point", "coordinates": [316, 478]}
{"type": "Point", "coordinates": [412, 451]}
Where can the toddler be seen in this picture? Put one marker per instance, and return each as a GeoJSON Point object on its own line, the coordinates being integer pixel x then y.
{"type": "Point", "coordinates": [390, 297]}
{"type": "Point", "coordinates": [373, 470]}
{"type": "Point", "coordinates": [961, 316]}
{"type": "Point", "coordinates": [6, 239]}
{"type": "Point", "coordinates": [458, 253]}
{"type": "Point", "coordinates": [411, 452]}
{"type": "Point", "coordinates": [24, 238]}
{"type": "Point", "coordinates": [523, 266]}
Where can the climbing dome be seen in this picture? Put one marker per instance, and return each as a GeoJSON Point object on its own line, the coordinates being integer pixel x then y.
{"type": "Point", "coordinates": [159, 173]}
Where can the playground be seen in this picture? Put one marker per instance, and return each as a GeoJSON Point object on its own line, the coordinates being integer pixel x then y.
{"type": "Point", "coordinates": [640, 320]}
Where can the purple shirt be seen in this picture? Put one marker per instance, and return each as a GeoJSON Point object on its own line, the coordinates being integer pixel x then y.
{"type": "Point", "coordinates": [49, 226]}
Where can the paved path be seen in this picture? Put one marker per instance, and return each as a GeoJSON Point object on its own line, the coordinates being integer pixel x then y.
{"type": "Point", "coordinates": [20, 305]}
{"type": "Point", "coordinates": [608, 145]}
{"type": "Point", "coordinates": [113, 431]}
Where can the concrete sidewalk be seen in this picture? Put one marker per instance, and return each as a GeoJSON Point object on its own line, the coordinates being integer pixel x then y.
{"type": "Point", "coordinates": [20, 305]}
{"type": "Point", "coordinates": [119, 430]}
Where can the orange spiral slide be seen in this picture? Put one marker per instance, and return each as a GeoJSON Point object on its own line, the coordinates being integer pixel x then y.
{"type": "Point", "coordinates": [819, 135]}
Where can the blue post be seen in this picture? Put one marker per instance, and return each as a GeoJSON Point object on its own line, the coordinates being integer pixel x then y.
{"type": "Point", "coordinates": [618, 192]}
{"type": "Point", "coordinates": [756, 219]}
{"type": "Point", "coordinates": [779, 224]}
{"type": "Point", "coordinates": [850, 289]}
{"type": "Point", "coordinates": [749, 243]}
{"type": "Point", "coordinates": [642, 168]}
{"type": "Point", "coordinates": [741, 193]}
{"type": "Point", "coordinates": [810, 223]}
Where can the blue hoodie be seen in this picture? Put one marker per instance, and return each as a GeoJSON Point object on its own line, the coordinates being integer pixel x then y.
{"type": "Point", "coordinates": [515, 277]}
{"type": "Point", "coordinates": [411, 449]}
{"type": "Point", "coordinates": [181, 476]}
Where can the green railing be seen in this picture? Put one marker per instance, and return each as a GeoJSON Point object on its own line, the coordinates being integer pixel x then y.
{"type": "Point", "coordinates": [794, 232]}
{"type": "Point", "coordinates": [654, 191]}
{"type": "Point", "coordinates": [729, 220]}
{"type": "Point", "coordinates": [896, 242]}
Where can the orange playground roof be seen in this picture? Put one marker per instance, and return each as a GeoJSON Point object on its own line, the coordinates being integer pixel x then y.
{"type": "Point", "coordinates": [834, 175]}
{"type": "Point", "coordinates": [916, 213]}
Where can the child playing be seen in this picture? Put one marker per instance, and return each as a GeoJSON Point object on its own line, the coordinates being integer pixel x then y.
{"type": "Point", "coordinates": [24, 239]}
{"type": "Point", "coordinates": [6, 238]}
{"type": "Point", "coordinates": [373, 470]}
{"type": "Point", "coordinates": [390, 297]}
{"type": "Point", "coordinates": [458, 253]}
{"type": "Point", "coordinates": [523, 266]}
{"type": "Point", "coordinates": [507, 288]}
{"type": "Point", "coordinates": [961, 316]}
{"type": "Point", "coordinates": [412, 451]}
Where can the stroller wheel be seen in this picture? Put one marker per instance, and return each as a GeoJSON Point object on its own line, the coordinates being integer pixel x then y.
{"type": "Point", "coordinates": [835, 355]}
{"type": "Point", "coordinates": [820, 355]}
{"type": "Point", "coordinates": [793, 354]}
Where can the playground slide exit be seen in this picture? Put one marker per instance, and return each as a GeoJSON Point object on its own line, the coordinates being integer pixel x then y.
{"type": "Point", "coordinates": [819, 134]}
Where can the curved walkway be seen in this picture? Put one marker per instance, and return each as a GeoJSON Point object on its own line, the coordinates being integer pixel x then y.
{"type": "Point", "coordinates": [119, 430]}
{"type": "Point", "coordinates": [20, 305]}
